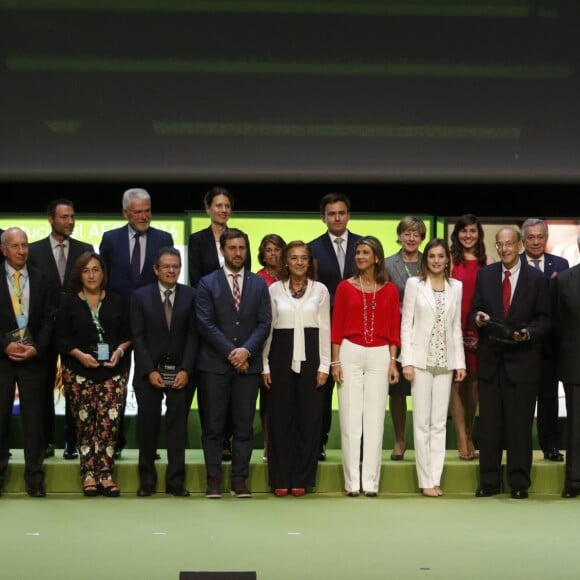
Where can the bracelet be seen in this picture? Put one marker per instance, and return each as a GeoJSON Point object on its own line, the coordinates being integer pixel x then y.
{"type": "Point", "coordinates": [122, 351]}
{"type": "Point", "coordinates": [335, 363]}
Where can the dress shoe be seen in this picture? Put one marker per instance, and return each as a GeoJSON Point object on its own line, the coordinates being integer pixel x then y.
{"type": "Point", "coordinates": [370, 494]}
{"type": "Point", "coordinates": [297, 491]}
{"type": "Point", "coordinates": [37, 490]}
{"type": "Point", "coordinates": [213, 490]}
{"type": "Point", "coordinates": [322, 454]}
{"type": "Point", "coordinates": [69, 452]}
{"type": "Point", "coordinates": [352, 493]}
{"type": "Point", "coordinates": [519, 494]}
{"type": "Point", "coordinates": [177, 491]}
{"type": "Point", "coordinates": [570, 492]}
{"type": "Point", "coordinates": [280, 492]}
{"type": "Point", "coordinates": [487, 491]}
{"type": "Point", "coordinates": [145, 491]}
{"type": "Point", "coordinates": [49, 451]}
{"type": "Point", "coordinates": [240, 489]}
{"type": "Point", "coordinates": [553, 455]}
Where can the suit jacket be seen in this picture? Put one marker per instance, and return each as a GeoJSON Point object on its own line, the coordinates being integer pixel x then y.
{"type": "Point", "coordinates": [41, 256]}
{"type": "Point", "coordinates": [530, 308]}
{"type": "Point", "coordinates": [328, 269]}
{"type": "Point", "coordinates": [202, 257]}
{"type": "Point", "coordinates": [40, 313]}
{"type": "Point", "coordinates": [419, 312]}
{"type": "Point", "coordinates": [114, 250]}
{"type": "Point", "coordinates": [567, 306]}
{"type": "Point", "coordinates": [223, 328]}
{"type": "Point", "coordinates": [398, 273]}
{"type": "Point", "coordinates": [151, 337]}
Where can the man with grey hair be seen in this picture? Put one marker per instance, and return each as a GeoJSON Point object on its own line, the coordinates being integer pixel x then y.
{"type": "Point", "coordinates": [535, 237]}
{"type": "Point", "coordinates": [129, 252]}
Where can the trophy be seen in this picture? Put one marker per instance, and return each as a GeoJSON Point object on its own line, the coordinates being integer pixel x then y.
{"type": "Point", "coordinates": [167, 368]}
{"type": "Point", "coordinates": [21, 335]}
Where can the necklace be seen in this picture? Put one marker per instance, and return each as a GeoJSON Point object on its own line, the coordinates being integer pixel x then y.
{"type": "Point", "coordinates": [368, 329]}
{"type": "Point", "coordinates": [300, 292]}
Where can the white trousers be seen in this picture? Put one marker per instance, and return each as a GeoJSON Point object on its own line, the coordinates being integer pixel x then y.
{"type": "Point", "coordinates": [362, 400]}
{"type": "Point", "coordinates": [430, 393]}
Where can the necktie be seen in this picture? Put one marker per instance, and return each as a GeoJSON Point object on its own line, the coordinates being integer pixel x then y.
{"type": "Point", "coordinates": [340, 255]}
{"type": "Point", "coordinates": [136, 260]}
{"type": "Point", "coordinates": [236, 290]}
{"type": "Point", "coordinates": [506, 292]}
{"type": "Point", "coordinates": [536, 263]}
{"type": "Point", "coordinates": [167, 308]}
{"type": "Point", "coordinates": [61, 262]}
{"type": "Point", "coordinates": [16, 295]}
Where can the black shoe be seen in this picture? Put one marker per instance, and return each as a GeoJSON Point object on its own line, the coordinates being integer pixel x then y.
{"type": "Point", "coordinates": [240, 489]}
{"type": "Point", "coordinates": [370, 493]}
{"type": "Point", "coordinates": [322, 454]}
{"type": "Point", "coordinates": [570, 492]}
{"type": "Point", "coordinates": [145, 491]}
{"type": "Point", "coordinates": [69, 452]}
{"type": "Point", "coordinates": [49, 451]}
{"type": "Point", "coordinates": [352, 493]}
{"type": "Point", "coordinates": [487, 491]}
{"type": "Point", "coordinates": [37, 490]}
{"type": "Point", "coordinates": [177, 491]}
{"type": "Point", "coordinates": [213, 490]}
{"type": "Point", "coordinates": [553, 455]}
{"type": "Point", "coordinates": [519, 494]}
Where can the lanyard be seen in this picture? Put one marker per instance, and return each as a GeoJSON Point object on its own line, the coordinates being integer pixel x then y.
{"type": "Point", "coordinates": [18, 293]}
{"type": "Point", "coordinates": [95, 316]}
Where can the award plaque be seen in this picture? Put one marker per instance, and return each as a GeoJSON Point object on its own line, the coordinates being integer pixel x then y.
{"type": "Point", "coordinates": [167, 368]}
{"type": "Point", "coordinates": [21, 335]}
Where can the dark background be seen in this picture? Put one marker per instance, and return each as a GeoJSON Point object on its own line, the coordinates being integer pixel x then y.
{"type": "Point", "coordinates": [408, 107]}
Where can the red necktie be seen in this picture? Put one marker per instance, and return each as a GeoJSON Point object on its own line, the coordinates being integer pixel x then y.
{"type": "Point", "coordinates": [236, 290]}
{"type": "Point", "coordinates": [506, 292]}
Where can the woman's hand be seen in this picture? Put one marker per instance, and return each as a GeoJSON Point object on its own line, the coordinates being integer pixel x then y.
{"type": "Point", "coordinates": [409, 373]}
{"type": "Point", "coordinates": [321, 379]}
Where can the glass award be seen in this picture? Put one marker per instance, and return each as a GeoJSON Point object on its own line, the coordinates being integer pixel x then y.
{"type": "Point", "coordinates": [167, 368]}
{"type": "Point", "coordinates": [21, 335]}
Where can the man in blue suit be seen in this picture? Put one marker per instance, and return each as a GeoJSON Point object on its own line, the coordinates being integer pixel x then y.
{"type": "Point", "coordinates": [332, 269]}
{"type": "Point", "coordinates": [234, 317]}
{"type": "Point", "coordinates": [129, 253]}
{"type": "Point", "coordinates": [511, 309]}
{"type": "Point", "coordinates": [165, 343]}
{"type": "Point", "coordinates": [535, 237]}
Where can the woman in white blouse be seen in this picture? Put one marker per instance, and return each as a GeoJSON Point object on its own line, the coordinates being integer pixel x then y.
{"type": "Point", "coordinates": [296, 363]}
{"type": "Point", "coordinates": [432, 356]}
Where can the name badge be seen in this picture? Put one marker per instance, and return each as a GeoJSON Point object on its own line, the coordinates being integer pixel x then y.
{"type": "Point", "coordinates": [103, 351]}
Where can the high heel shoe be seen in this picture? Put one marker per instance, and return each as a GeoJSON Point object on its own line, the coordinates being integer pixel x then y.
{"type": "Point", "coordinates": [398, 456]}
{"type": "Point", "coordinates": [297, 491]}
{"type": "Point", "coordinates": [108, 487]}
{"type": "Point", "coordinates": [90, 488]}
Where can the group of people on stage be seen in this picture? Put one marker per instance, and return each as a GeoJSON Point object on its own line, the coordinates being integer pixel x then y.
{"type": "Point", "coordinates": [447, 326]}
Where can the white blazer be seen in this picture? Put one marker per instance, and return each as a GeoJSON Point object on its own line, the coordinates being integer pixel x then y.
{"type": "Point", "coordinates": [418, 318]}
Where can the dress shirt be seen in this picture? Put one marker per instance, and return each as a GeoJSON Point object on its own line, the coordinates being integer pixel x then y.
{"type": "Point", "coordinates": [24, 286]}
{"type": "Point", "coordinates": [142, 239]}
{"type": "Point", "coordinates": [515, 274]}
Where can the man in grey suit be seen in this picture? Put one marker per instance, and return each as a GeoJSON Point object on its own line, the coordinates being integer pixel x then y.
{"type": "Point", "coordinates": [234, 317]}
{"type": "Point", "coordinates": [334, 253]}
{"type": "Point", "coordinates": [511, 309]}
{"type": "Point", "coordinates": [55, 255]}
{"type": "Point", "coordinates": [165, 343]}
{"type": "Point", "coordinates": [567, 314]}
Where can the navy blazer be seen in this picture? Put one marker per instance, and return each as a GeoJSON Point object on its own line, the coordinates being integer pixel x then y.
{"type": "Point", "coordinates": [530, 308]}
{"type": "Point", "coordinates": [553, 264]}
{"type": "Point", "coordinates": [151, 337]}
{"type": "Point", "coordinates": [114, 250]}
{"type": "Point", "coordinates": [41, 256]}
{"type": "Point", "coordinates": [223, 328]}
{"type": "Point", "coordinates": [41, 313]}
{"type": "Point", "coordinates": [202, 257]}
{"type": "Point", "coordinates": [328, 269]}
{"type": "Point", "coordinates": [567, 291]}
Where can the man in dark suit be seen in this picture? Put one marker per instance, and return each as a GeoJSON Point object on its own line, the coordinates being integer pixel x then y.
{"type": "Point", "coordinates": [335, 260]}
{"type": "Point", "coordinates": [511, 309]}
{"type": "Point", "coordinates": [55, 256]}
{"type": "Point", "coordinates": [234, 316]}
{"type": "Point", "coordinates": [567, 314]}
{"type": "Point", "coordinates": [129, 253]}
{"type": "Point", "coordinates": [165, 343]}
{"type": "Point", "coordinates": [535, 237]}
{"type": "Point", "coordinates": [26, 323]}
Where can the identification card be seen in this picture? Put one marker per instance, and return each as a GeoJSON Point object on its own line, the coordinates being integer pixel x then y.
{"type": "Point", "coordinates": [103, 351]}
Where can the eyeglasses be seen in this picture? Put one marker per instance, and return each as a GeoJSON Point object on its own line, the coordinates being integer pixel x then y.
{"type": "Point", "coordinates": [169, 267]}
{"type": "Point", "coordinates": [506, 245]}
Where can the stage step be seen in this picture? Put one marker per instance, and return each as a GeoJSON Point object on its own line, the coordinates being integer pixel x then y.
{"type": "Point", "coordinates": [459, 476]}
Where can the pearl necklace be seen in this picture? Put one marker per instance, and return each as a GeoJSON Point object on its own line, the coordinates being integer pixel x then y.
{"type": "Point", "coordinates": [368, 331]}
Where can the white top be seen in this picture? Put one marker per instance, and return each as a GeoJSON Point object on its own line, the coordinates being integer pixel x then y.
{"type": "Point", "coordinates": [310, 311]}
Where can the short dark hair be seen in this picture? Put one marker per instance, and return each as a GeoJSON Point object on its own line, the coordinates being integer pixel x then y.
{"type": "Point", "coordinates": [230, 234]}
{"type": "Point", "coordinates": [167, 251]}
{"type": "Point", "coordinates": [52, 205]}
{"type": "Point", "coordinates": [333, 197]}
{"type": "Point", "coordinates": [275, 239]}
{"type": "Point", "coordinates": [78, 267]}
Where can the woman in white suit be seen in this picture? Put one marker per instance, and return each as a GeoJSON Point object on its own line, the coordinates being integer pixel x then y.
{"type": "Point", "coordinates": [432, 356]}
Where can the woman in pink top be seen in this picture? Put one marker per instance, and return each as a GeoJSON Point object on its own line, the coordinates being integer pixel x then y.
{"type": "Point", "coordinates": [365, 337]}
{"type": "Point", "coordinates": [467, 257]}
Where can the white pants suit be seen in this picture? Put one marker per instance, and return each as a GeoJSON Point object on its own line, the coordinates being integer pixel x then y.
{"type": "Point", "coordinates": [362, 399]}
{"type": "Point", "coordinates": [430, 392]}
